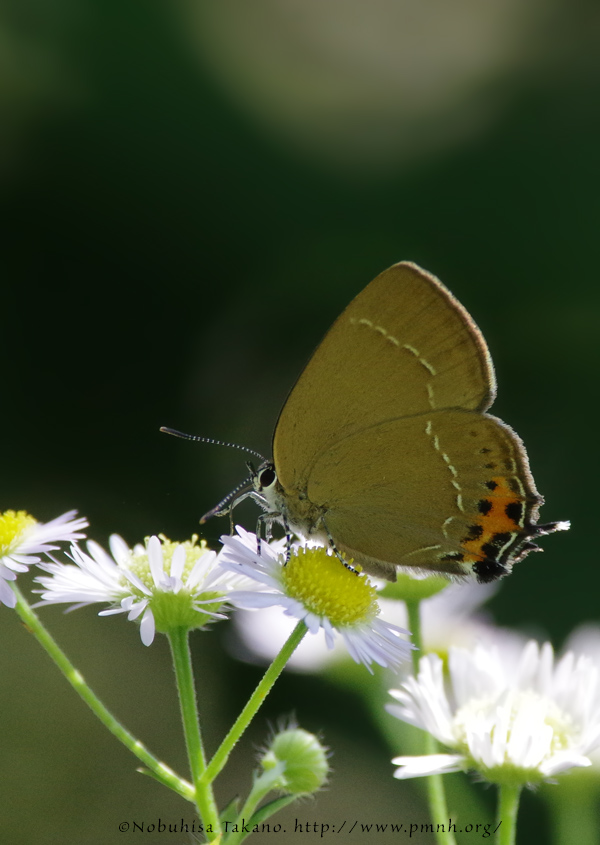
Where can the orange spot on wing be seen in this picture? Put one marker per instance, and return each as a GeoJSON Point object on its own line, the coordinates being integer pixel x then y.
{"type": "Point", "coordinates": [496, 524]}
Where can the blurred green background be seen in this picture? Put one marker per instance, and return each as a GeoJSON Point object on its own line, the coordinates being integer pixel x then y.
{"type": "Point", "coordinates": [190, 194]}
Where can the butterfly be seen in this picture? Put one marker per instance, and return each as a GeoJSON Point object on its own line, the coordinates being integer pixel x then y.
{"type": "Point", "coordinates": [385, 450]}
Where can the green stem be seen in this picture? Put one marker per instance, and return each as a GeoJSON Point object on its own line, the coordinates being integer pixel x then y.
{"type": "Point", "coordinates": [261, 787]}
{"type": "Point", "coordinates": [182, 662]}
{"type": "Point", "coordinates": [436, 793]}
{"type": "Point", "coordinates": [160, 771]}
{"type": "Point", "coordinates": [508, 807]}
{"type": "Point", "coordinates": [413, 610]}
{"type": "Point", "coordinates": [255, 701]}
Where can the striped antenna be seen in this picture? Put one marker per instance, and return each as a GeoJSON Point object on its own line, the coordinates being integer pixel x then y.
{"type": "Point", "coordinates": [199, 439]}
{"type": "Point", "coordinates": [233, 496]}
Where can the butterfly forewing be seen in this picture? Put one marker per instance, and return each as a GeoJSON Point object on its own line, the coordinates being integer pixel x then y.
{"type": "Point", "coordinates": [403, 346]}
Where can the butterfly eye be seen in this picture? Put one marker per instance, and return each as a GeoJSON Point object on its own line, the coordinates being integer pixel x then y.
{"type": "Point", "coordinates": [267, 477]}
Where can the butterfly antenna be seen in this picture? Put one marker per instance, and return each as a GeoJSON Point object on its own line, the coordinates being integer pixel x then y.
{"type": "Point", "coordinates": [199, 439]}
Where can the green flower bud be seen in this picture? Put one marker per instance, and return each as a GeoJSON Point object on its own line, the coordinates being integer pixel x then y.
{"type": "Point", "coordinates": [301, 759]}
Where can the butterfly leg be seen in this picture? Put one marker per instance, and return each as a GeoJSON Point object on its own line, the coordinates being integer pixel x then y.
{"type": "Point", "coordinates": [267, 519]}
{"type": "Point", "coordinates": [288, 539]}
{"type": "Point", "coordinates": [336, 551]}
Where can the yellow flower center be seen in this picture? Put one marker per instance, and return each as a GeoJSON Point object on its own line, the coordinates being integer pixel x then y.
{"type": "Point", "coordinates": [170, 609]}
{"type": "Point", "coordinates": [140, 565]}
{"type": "Point", "coordinates": [13, 524]}
{"type": "Point", "coordinates": [327, 588]}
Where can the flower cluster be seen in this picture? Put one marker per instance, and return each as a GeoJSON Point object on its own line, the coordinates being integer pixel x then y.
{"type": "Point", "coordinates": [166, 585]}
{"type": "Point", "coordinates": [506, 709]}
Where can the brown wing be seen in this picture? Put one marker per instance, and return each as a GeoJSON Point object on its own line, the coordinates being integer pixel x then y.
{"type": "Point", "coordinates": [447, 491]}
{"type": "Point", "coordinates": [403, 346]}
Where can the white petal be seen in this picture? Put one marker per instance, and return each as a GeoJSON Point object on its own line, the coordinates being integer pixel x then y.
{"type": "Point", "coordinates": [19, 563]}
{"type": "Point", "coordinates": [177, 563]}
{"type": "Point", "coordinates": [133, 607]}
{"type": "Point", "coordinates": [119, 549]}
{"type": "Point", "coordinates": [206, 572]}
{"type": "Point", "coordinates": [7, 597]}
{"type": "Point", "coordinates": [432, 764]}
{"type": "Point", "coordinates": [312, 622]}
{"type": "Point", "coordinates": [136, 582]}
{"type": "Point", "coordinates": [7, 574]}
{"type": "Point", "coordinates": [563, 760]}
{"type": "Point", "coordinates": [147, 628]}
{"type": "Point", "coordinates": [155, 560]}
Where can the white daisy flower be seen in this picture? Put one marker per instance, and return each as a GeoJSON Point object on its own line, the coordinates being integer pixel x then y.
{"type": "Point", "coordinates": [520, 722]}
{"type": "Point", "coordinates": [314, 587]}
{"type": "Point", "coordinates": [168, 584]}
{"type": "Point", "coordinates": [452, 616]}
{"type": "Point", "coordinates": [23, 539]}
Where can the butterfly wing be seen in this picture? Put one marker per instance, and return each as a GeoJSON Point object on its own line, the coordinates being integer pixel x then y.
{"type": "Point", "coordinates": [403, 346]}
{"type": "Point", "coordinates": [448, 491]}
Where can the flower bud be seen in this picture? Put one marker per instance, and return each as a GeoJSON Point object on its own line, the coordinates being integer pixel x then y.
{"type": "Point", "coordinates": [301, 759]}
